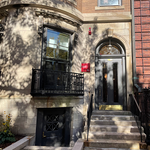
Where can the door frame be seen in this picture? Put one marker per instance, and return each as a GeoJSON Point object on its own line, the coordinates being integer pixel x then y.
{"type": "Point", "coordinates": [114, 56]}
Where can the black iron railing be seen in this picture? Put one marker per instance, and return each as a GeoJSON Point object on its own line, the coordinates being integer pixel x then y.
{"type": "Point", "coordinates": [137, 113]}
{"type": "Point", "coordinates": [146, 116]}
{"type": "Point", "coordinates": [47, 82]}
{"type": "Point", "coordinates": [143, 99]}
{"type": "Point", "coordinates": [89, 113]}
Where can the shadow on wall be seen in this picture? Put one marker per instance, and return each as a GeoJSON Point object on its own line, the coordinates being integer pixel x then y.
{"type": "Point", "coordinates": [83, 48]}
{"type": "Point", "coordinates": [19, 53]}
{"type": "Point", "coordinates": [143, 79]}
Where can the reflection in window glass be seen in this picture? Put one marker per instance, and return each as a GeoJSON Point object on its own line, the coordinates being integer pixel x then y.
{"type": "Point", "coordinates": [109, 2]}
{"type": "Point", "coordinates": [57, 45]}
{"type": "Point", "coordinates": [109, 50]}
{"type": "Point", "coordinates": [104, 82]}
{"type": "Point", "coordinates": [115, 81]}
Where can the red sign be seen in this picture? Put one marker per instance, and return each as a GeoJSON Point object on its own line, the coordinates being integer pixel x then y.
{"type": "Point", "coordinates": [85, 67]}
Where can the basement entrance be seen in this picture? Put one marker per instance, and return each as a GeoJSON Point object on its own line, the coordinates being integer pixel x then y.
{"type": "Point", "coordinates": [53, 127]}
{"type": "Point", "coordinates": [110, 76]}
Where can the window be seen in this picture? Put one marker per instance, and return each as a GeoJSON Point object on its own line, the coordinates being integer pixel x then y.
{"type": "Point", "coordinates": [56, 50]}
{"type": "Point", "coordinates": [109, 50]}
{"type": "Point", "coordinates": [109, 2]}
{"type": "Point", "coordinates": [57, 45]}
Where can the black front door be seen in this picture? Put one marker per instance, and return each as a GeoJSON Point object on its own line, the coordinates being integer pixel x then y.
{"type": "Point", "coordinates": [53, 127]}
{"type": "Point", "coordinates": [109, 82]}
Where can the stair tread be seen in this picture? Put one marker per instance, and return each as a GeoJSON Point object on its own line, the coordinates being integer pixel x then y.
{"type": "Point", "coordinates": [93, 148]}
{"type": "Point", "coordinates": [112, 115]}
{"type": "Point", "coordinates": [112, 141]}
{"type": "Point", "coordinates": [113, 126]}
{"type": "Point", "coordinates": [115, 121]}
{"type": "Point", "coordinates": [111, 111]}
{"type": "Point", "coordinates": [106, 112]}
{"type": "Point", "coordinates": [114, 133]}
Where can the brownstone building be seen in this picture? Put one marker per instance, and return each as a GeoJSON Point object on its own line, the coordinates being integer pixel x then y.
{"type": "Point", "coordinates": [54, 52]}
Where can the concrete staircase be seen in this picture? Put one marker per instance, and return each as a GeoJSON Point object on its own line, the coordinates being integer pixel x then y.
{"type": "Point", "coordinates": [113, 130]}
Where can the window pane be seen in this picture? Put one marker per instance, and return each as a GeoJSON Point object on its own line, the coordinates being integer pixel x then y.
{"type": "Point", "coordinates": [115, 81]}
{"type": "Point", "coordinates": [104, 82]}
{"type": "Point", "coordinates": [57, 45]}
{"type": "Point", "coordinates": [109, 2]}
{"type": "Point", "coordinates": [109, 50]}
{"type": "Point", "coordinates": [51, 65]}
{"type": "Point", "coordinates": [64, 40]}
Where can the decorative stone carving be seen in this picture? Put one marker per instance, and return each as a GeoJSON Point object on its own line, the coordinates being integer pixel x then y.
{"type": "Point", "coordinates": [61, 17]}
{"type": "Point", "coordinates": [40, 30]}
{"type": "Point", "coordinates": [108, 33]}
{"type": "Point", "coordinates": [3, 13]}
{"type": "Point", "coordinates": [2, 29]}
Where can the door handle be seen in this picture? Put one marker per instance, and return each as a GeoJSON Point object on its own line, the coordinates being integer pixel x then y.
{"type": "Point", "coordinates": [44, 135]}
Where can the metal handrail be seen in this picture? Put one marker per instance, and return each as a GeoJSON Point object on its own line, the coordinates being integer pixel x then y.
{"type": "Point", "coordinates": [89, 113]}
{"type": "Point", "coordinates": [137, 113]}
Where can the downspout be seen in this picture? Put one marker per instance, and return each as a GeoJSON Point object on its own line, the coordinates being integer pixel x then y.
{"type": "Point", "coordinates": [134, 78]}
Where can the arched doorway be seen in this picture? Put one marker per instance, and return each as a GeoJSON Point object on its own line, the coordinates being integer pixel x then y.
{"type": "Point", "coordinates": [110, 74]}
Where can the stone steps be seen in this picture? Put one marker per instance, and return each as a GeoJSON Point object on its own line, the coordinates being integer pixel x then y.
{"type": "Point", "coordinates": [116, 136]}
{"type": "Point", "coordinates": [112, 117]}
{"type": "Point", "coordinates": [124, 144]}
{"type": "Point", "coordinates": [110, 122]}
{"type": "Point", "coordinates": [113, 130]}
{"type": "Point", "coordinates": [111, 112]}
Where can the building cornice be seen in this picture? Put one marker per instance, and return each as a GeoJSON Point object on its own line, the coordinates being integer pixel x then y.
{"type": "Point", "coordinates": [60, 7]}
{"type": "Point", "coordinates": [64, 12]}
{"type": "Point", "coordinates": [59, 16]}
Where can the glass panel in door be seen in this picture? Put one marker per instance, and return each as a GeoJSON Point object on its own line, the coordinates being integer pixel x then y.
{"type": "Point", "coordinates": [109, 82]}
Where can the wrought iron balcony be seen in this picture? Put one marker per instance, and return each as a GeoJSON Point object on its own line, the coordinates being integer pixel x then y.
{"type": "Point", "coordinates": [47, 82]}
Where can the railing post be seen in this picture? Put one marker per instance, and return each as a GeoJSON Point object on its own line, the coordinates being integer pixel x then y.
{"type": "Point", "coordinates": [89, 113]}
{"type": "Point", "coordinates": [146, 94]}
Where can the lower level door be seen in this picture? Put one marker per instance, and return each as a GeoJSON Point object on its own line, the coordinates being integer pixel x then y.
{"type": "Point", "coordinates": [53, 128]}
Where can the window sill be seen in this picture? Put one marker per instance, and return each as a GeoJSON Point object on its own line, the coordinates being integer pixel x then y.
{"type": "Point", "coordinates": [109, 7]}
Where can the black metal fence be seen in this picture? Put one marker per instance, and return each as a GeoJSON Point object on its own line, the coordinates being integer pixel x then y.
{"type": "Point", "coordinates": [143, 100]}
{"type": "Point", "coordinates": [89, 113]}
{"type": "Point", "coordinates": [47, 82]}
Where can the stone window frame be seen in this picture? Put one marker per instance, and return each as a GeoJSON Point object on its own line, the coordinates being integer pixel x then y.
{"type": "Point", "coordinates": [44, 43]}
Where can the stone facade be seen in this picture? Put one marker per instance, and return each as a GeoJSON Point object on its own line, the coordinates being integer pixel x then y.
{"type": "Point", "coordinates": [21, 51]}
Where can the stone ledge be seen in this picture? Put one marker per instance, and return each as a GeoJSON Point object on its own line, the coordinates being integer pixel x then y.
{"type": "Point", "coordinates": [79, 145]}
{"type": "Point", "coordinates": [21, 143]}
{"type": "Point", "coordinates": [46, 148]}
